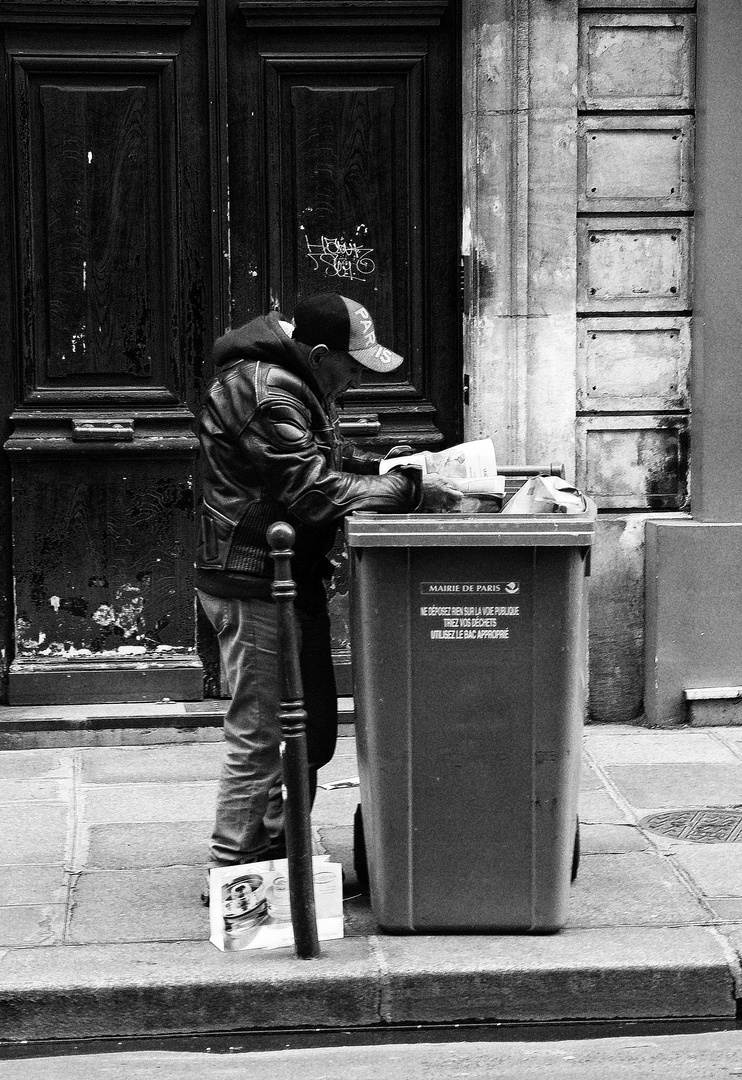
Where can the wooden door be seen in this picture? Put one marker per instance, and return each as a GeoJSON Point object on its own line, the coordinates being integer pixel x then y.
{"type": "Point", "coordinates": [132, 245]}
{"type": "Point", "coordinates": [109, 277]}
{"type": "Point", "coordinates": [344, 175]}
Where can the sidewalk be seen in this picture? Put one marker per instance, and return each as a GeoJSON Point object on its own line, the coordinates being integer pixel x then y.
{"type": "Point", "coordinates": [102, 932]}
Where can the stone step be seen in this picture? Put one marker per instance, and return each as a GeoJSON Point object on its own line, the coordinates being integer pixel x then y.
{"type": "Point", "coordinates": [30, 727]}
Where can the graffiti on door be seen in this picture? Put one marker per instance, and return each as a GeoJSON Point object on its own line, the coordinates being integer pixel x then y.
{"type": "Point", "coordinates": [341, 258]}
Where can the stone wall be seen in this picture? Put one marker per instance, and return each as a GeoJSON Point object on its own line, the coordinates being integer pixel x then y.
{"type": "Point", "coordinates": [577, 243]}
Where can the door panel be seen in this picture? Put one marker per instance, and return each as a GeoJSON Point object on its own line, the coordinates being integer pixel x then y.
{"type": "Point", "coordinates": [338, 184]}
{"type": "Point", "coordinates": [97, 221]}
{"type": "Point", "coordinates": [344, 199]}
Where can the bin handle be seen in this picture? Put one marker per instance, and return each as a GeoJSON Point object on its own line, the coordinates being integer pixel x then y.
{"type": "Point", "coordinates": [556, 468]}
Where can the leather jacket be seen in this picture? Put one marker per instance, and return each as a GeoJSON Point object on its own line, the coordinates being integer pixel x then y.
{"type": "Point", "coordinates": [271, 450]}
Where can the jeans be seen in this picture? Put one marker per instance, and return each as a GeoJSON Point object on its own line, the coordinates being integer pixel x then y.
{"type": "Point", "coordinates": [249, 805]}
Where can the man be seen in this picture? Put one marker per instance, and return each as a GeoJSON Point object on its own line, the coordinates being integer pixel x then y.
{"type": "Point", "coordinates": [271, 451]}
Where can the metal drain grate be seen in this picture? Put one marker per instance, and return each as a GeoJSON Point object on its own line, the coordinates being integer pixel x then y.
{"type": "Point", "coordinates": [715, 825]}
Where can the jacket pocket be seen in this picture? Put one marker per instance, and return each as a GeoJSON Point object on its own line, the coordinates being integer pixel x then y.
{"type": "Point", "coordinates": [249, 551]}
{"type": "Point", "coordinates": [214, 536]}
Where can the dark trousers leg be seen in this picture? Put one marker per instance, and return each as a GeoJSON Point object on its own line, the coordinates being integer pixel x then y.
{"type": "Point", "coordinates": [249, 813]}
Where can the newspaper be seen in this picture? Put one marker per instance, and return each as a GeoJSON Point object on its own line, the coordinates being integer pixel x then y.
{"type": "Point", "coordinates": [471, 466]}
{"type": "Point", "coordinates": [249, 904]}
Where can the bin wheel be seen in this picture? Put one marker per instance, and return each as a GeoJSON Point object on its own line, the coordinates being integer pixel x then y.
{"type": "Point", "coordinates": [360, 862]}
{"type": "Point", "coordinates": [575, 851]}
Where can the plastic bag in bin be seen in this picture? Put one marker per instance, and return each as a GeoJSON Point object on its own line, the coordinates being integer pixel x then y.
{"type": "Point", "coordinates": [546, 495]}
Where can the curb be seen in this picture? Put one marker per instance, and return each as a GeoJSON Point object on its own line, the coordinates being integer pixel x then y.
{"type": "Point", "coordinates": [627, 973]}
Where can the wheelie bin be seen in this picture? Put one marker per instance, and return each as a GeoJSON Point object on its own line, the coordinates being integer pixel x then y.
{"type": "Point", "coordinates": [469, 641]}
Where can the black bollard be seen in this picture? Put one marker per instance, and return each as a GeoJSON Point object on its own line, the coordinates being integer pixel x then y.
{"type": "Point", "coordinates": [293, 717]}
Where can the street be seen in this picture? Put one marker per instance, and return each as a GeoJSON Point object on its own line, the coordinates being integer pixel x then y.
{"type": "Point", "coordinates": [709, 1056]}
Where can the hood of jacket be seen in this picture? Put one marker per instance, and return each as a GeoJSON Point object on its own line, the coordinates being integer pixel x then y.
{"type": "Point", "coordinates": [265, 339]}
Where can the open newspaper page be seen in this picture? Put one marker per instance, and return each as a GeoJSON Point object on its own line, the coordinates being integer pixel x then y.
{"type": "Point", "coordinates": [471, 466]}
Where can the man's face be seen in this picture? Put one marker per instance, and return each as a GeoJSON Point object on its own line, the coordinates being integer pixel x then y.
{"type": "Point", "coordinates": [337, 372]}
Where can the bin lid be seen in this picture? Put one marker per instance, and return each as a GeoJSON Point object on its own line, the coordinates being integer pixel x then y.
{"type": "Point", "coordinates": [471, 530]}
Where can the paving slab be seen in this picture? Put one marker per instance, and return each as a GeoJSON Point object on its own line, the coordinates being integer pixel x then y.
{"type": "Point", "coordinates": [650, 787]}
{"type": "Point", "coordinates": [600, 808]}
{"type": "Point", "coordinates": [359, 918]}
{"type": "Point", "coordinates": [114, 906]}
{"type": "Point", "coordinates": [636, 889]}
{"type": "Point", "coordinates": [138, 845]}
{"type": "Point", "coordinates": [733, 933]}
{"type": "Point", "coordinates": [149, 802]}
{"type": "Point", "coordinates": [32, 885]}
{"type": "Point", "coordinates": [336, 807]}
{"type": "Point", "coordinates": [41, 790]}
{"type": "Point", "coordinates": [715, 868]}
{"type": "Point", "coordinates": [33, 924]}
{"type": "Point", "coordinates": [611, 839]}
{"type": "Point", "coordinates": [33, 833]}
{"type": "Point", "coordinates": [727, 910]}
{"type": "Point", "coordinates": [657, 747]}
{"type": "Point", "coordinates": [337, 841]}
{"type": "Point", "coordinates": [141, 764]}
{"type": "Point", "coordinates": [344, 762]}
{"type": "Point", "coordinates": [590, 778]}
{"type": "Point", "coordinates": [24, 764]}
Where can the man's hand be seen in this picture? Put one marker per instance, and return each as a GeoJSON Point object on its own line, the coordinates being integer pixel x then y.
{"type": "Point", "coordinates": [439, 496]}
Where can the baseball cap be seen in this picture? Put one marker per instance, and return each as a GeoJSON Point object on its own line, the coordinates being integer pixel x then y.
{"type": "Point", "coordinates": [339, 323]}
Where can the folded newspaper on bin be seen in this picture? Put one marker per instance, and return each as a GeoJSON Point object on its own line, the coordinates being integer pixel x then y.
{"type": "Point", "coordinates": [470, 466]}
{"type": "Point", "coordinates": [249, 905]}
{"type": "Point", "coordinates": [546, 495]}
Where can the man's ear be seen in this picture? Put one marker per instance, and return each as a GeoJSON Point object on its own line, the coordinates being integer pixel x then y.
{"type": "Point", "coordinates": [315, 356]}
